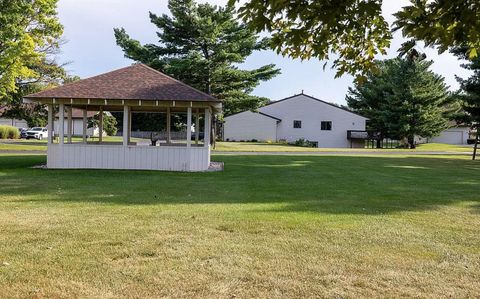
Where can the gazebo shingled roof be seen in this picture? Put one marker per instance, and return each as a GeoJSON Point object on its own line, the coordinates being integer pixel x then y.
{"type": "Point", "coordinates": [135, 82]}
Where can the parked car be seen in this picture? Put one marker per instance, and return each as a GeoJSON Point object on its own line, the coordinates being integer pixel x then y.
{"type": "Point", "coordinates": [37, 133]}
{"type": "Point", "coordinates": [23, 132]}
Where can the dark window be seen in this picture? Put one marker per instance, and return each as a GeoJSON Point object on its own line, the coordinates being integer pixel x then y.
{"type": "Point", "coordinates": [326, 125]}
{"type": "Point", "coordinates": [297, 124]}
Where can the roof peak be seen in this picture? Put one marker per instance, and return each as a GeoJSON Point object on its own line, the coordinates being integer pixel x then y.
{"type": "Point", "coordinates": [316, 99]}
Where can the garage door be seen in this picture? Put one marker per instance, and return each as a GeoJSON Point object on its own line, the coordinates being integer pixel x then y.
{"type": "Point", "coordinates": [449, 137]}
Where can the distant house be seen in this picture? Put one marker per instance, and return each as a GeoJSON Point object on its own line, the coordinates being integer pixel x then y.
{"type": "Point", "coordinates": [77, 123]}
{"type": "Point", "coordinates": [454, 135]}
{"type": "Point", "coordinates": [296, 117]}
{"type": "Point", "coordinates": [19, 123]}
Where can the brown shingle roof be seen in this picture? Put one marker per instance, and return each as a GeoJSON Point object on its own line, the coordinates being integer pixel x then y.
{"type": "Point", "coordinates": [135, 82]}
{"type": "Point", "coordinates": [78, 113]}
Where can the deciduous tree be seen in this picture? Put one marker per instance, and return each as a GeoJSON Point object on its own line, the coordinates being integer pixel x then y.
{"type": "Point", "coordinates": [354, 31]}
{"type": "Point", "coordinates": [28, 30]}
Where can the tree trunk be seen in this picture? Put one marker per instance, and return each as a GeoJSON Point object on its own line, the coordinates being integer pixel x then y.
{"type": "Point", "coordinates": [475, 147]}
{"type": "Point", "coordinates": [379, 143]}
{"type": "Point", "coordinates": [411, 142]}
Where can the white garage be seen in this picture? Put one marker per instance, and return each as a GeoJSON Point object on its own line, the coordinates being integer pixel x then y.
{"type": "Point", "coordinates": [248, 125]}
{"type": "Point", "coordinates": [458, 135]}
{"type": "Point", "coordinates": [298, 117]}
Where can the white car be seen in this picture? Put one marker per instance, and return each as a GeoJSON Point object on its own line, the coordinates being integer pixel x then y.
{"type": "Point", "coordinates": [37, 133]}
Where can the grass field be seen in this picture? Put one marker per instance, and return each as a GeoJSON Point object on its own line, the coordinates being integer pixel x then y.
{"type": "Point", "coordinates": [41, 145]}
{"type": "Point", "coordinates": [31, 145]}
{"type": "Point", "coordinates": [268, 226]}
{"type": "Point", "coordinates": [279, 147]}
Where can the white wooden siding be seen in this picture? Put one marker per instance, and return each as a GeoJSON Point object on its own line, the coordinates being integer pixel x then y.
{"type": "Point", "coordinates": [174, 158]}
{"type": "Point", "coordinates": [77, 127]}
{"type": "Point", "coordinates": [452, 136]}
{"type": "Point", "coordinates": [312, 112]}
{"type": "Point", "coordinates": [19, 123]}
{"type": "Point", "coordinates": [249, 125]}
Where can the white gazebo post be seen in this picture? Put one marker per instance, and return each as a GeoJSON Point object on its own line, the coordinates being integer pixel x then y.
{"type": "Point", "coordinates": [129, 123]}
{"type": "Point", "coordinates": [61, 123]}
{"type": "Point", "coordinates": [207, 128]}
{"type": "Point", "coordinates": [189, 127]}
{"type": "Point", "coordinates": [197, 127]}
{"type": "Point", "coordinates": [50, 123]}
{"type": "Point", "coordinates": [69, 124]}
{"type": "Point", "coordinates": [84, 133]}
{"type": "Point", "coordinates": [169, 139]}
{"type": "Point", "coordinates": [100, 125]}
{"type": "Point", "coordinates": [125, 125]}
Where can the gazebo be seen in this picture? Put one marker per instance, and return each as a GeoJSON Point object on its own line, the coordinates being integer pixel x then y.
{"type": "Point", "coordinates": [136, 88]}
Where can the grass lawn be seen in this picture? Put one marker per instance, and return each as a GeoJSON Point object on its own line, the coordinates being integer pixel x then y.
{"type": "Point", "coordinates": [268, 226]}
{"type": "Point", "coordinates": [280, 147]}
{"type": "Point", "coordinates": [41, 145]}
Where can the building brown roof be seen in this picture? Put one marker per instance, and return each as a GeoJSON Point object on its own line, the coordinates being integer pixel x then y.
{"type": "Point", "coordinates": [78, 113]}
{"type": "Point", "coordinates": [135, 82]}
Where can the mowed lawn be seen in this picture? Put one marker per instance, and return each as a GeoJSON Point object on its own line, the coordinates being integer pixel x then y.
{"type": "Point", "coordinates": [282, 147]}
{"type": "Point", "coordinates": [268, 226]}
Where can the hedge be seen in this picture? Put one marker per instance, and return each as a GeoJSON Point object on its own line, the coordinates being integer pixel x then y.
{"type": "Point", "coordinates": [9, 132]}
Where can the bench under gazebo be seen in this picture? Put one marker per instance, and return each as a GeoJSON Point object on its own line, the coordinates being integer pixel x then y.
{"type": "Point", "coordinates": [137, 88]}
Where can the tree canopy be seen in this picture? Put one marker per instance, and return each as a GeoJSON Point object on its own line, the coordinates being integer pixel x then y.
{"type": "Point", "coordinates": [28, 31]}
{"type": "Point", "coordinates": [354, 31]}
{"type": "Point", "coordinates": [203, 46]}
{"type": "Point", "coordinates": [403, 99]}
{"type": "Point", "coordinates": [470, 91]}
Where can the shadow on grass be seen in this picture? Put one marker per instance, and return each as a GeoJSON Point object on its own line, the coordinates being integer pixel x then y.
{"type": "Point", "coordinates": [327, 184]}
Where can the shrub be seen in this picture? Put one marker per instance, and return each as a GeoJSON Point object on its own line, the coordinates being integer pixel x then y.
{"type": "Point", "coordinates": [254, 140]}
{"type": "Point", "coordinates": [9, 132]}
{"type": "Point", "coordinates": [305, 143]}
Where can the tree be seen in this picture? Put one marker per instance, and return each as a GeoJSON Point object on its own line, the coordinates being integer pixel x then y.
{"type": "Point", "coordinates": [203, 45]}
{"type": "Point", "coordinates": [48, 74]}
{"type": "Point", "coordinates": [28, 30]}
{"type": "Point", "coordinates": [109, 123]}
{"type": "Point", "coordinates": [403, 99]}
{"type": "Point", "coordinates": [355, 30]}
{"type": "Point", "coordinates": [470, 92]}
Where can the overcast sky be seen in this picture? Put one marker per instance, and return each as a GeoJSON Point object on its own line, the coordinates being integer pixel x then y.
{"type": "Point", "coordinates": [91, 48]}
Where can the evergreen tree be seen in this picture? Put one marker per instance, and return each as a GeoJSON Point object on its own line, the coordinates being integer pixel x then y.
{"type": "Point", "coordinates": [470, 91]}
{"type": "Point", "coordinates": [202, 45]}
{"type": "Point", "coordinates": [403, 100]}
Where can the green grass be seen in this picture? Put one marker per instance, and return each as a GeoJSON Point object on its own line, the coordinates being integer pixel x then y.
{"type": "Point", "coordinates": [268, 226]}
{"type": "Point", "coordinates": [280, 147]}
{"type": "Point", "coordinates": [41, 145]}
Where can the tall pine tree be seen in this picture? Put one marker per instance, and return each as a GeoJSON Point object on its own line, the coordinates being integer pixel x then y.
{"type": "Point", "coordinates": [470, 91]}
{"type": "Point", "coordinates": [202, 45]}
{"type": "Point", "coordinates": [403, 100]}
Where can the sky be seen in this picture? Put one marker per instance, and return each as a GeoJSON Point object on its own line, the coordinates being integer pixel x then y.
{"type": "Point", "coordinates": [91, 48]}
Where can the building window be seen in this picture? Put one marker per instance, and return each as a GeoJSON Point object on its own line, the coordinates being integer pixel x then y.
{"type": "Point", "coordinates": [326, 126]}
{"type": "Point", "coordinates": [297, 124]}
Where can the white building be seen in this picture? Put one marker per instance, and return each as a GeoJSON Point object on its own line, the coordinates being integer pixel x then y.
{"type": "Point", "coordinates": [454, 135]}
{"type": "Point", "coordinates": [296, 117]}
{"type": "Point", "coordinates": [19, 123]}
{"type": "Point", "coordinates": [77, 123]}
